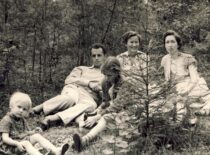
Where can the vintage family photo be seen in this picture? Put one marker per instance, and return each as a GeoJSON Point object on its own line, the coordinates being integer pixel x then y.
{"type": "Point", "coordinates": [104, 77]}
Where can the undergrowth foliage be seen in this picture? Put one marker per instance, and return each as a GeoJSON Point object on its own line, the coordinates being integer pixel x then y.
{"type": "Point", "coordinates": [150, 115]}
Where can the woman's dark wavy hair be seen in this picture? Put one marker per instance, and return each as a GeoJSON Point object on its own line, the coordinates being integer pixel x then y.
{"type": "Point", "coordinates": [176, 35]}
{"type": "Point", "coordinates": [130, 34]}
{"type": "Point", "coordinates": [111, 65]}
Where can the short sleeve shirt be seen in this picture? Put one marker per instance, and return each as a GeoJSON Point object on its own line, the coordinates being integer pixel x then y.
{"type": "Point", "coordinates": [178, 68]}
{"type": "Point", "coordinates": [12, 125]}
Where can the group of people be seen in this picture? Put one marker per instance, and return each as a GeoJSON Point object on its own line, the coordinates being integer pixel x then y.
{"type": "Point", "coordinates": [89, 93]}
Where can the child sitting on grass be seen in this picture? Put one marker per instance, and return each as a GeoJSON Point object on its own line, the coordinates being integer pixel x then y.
{"type": "Point", "coordinates": [110, 85]}
{"type": "Point", "coordinates": [16, 137]}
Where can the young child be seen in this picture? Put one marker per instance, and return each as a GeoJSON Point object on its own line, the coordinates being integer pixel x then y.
{"type": "Point", "coordinates": [15, 134]}
{"type": "Point", "coordinates": [112, 81]}
{"type": "Point", "coordinates": [110, 85]}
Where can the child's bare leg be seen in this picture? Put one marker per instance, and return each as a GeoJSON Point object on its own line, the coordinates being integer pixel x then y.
{"type": "Point", "coordinates": [37, 138]}
{"type": "Point", "coordinates": [30, 149]}
{"type": "Point", "coordinates": [80, 141]}
{"type": "Point", "coordinates": [101, 125]}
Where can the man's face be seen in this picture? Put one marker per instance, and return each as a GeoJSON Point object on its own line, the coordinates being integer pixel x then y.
{"type": "Point", "coordinates": [98, 57]}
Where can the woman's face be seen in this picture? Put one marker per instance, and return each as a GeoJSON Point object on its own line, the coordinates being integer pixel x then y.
{"type": "Point", "coordinates": [133, 44]}
{"type": "Point", "coordinates": [171, 44]}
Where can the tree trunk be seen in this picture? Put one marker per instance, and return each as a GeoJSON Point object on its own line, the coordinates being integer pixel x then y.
{"type": "Point", "coordinates": [34, 51]}
{"type": "Point", "coordinates": [5, 11]}
{"type": "Point", "coordinates": [110, 20]}
{"type": "Point", "coordinates": [83, 38]}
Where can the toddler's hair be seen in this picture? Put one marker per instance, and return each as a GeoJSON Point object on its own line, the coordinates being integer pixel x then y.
{"type": "Point", "coordinates": [20, 97]}
{"type": "Point", "coordinates": [111, 65]}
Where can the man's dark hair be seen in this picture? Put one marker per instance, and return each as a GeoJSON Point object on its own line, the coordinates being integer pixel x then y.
{"type": "Point", "coordinates": [99, 45]}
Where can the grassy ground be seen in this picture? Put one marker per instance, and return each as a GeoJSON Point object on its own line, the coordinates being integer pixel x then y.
{"type": "Point", "coordinates": [105, 143]}
{"type": "Point", "coordinates": [59, 135]}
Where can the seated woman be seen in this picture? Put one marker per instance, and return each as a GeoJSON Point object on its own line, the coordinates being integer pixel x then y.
{"type": "Point", "coordinates": [133, 61]}
{"type": "Point", "coordinates": [112, 81]}
{"type": "Point", "coordinates": [180, 70]}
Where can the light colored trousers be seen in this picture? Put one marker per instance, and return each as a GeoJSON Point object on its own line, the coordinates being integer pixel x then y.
{"type": "Point", "coordinates": [72, 102]}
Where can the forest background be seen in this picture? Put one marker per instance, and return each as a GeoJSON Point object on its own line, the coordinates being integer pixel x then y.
{"type": "Point", "coordinates": [41, 41]}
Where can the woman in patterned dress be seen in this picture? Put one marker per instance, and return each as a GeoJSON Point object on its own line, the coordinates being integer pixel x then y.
{"type": "Point", "coordinates": [133, 61]}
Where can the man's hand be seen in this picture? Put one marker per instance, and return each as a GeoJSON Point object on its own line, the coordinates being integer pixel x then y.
{"type": "Point", "coordinates": [92, 120]}
{"type": "Point", "coordinates": [95, 86]}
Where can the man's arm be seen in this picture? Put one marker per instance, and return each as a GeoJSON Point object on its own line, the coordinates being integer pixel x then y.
{"type": "Point", "coordinates": [73, 76]}
{"type": "Point", "coordinates": [76, 77]}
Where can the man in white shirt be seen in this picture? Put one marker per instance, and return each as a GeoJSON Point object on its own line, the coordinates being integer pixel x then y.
{"type": "Point", "coordinates": [80, 94]}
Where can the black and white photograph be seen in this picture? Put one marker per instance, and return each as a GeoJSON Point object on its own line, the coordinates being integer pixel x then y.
{"type": "Point", "coordinates": [104, 77]}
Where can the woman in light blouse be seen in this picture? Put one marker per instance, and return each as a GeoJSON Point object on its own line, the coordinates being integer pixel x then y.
{"type": "Point", "coordinates": [181, 70]}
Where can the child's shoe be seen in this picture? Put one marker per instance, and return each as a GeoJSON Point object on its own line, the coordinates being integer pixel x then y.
{"type": "Point", "coordinates": [203, 112]}
{"type": "Point", "coordinates": [45, 124]}
{"type": "Point", "coordinates": [77, 143]}
{"type": "Point", "coordinates": [89, 115]}
{"type": "Point", "coordinates": [33, 113]}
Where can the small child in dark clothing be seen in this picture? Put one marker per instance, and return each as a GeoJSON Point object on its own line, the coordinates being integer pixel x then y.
{"type": "Point", "coordinates": [112, 81]}
{"type": "Point", "coordinates": [15, 134]}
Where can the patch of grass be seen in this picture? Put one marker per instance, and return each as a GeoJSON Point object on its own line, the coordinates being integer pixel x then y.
{"type": "Point", "coordinates": [60, 134]}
